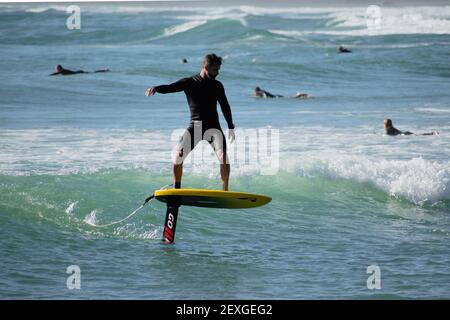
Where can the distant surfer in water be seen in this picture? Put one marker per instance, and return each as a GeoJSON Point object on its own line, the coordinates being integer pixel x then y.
{"type": "Point", "coordinates": [341, 49]}
{"type": "Point", "coordinates": [203, 92]}
{"type": "Point", "coordinates": [301, 95]}
{"type": "Point", "coordinates": [258, 92]}
{"type": "Point", "coordinates": [390, 130]}
{"type": "Point", "coordinates": [59, 70]}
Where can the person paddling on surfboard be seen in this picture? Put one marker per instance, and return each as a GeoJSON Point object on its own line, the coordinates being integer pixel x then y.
{"type": "Point", "coordinates": [202, 91]}
{"type": "Point", "coordinates": [341, 49]}
{"type": "Point", "coordinates": [258, 92]}
{"type": "Point", "coordinates": [59, 70]}
{"type": "Point", "coordinates": [390, 130]}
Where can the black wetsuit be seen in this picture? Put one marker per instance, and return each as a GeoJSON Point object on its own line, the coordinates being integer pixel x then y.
{"type": "Point", "coordinates": [266, 94]}
{"type": "Point", "coordinates": [67, 72]}
{"type": "Point", "coordinates": [343, 50]}
{"type": "Point", "coordinates": [202, 95]}
{"type": "Point", "coordinates": [391, 131]}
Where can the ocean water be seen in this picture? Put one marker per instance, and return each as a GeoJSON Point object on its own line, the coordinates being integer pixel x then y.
{"type": "Point", "coordinates": [87, 149]}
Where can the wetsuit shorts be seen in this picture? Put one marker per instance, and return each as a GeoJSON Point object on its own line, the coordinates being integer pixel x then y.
{"type": "Point", "coordinates": [196, 132]}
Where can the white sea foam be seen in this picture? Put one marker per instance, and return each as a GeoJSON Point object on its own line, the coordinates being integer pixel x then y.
{"type": "Point", "coordinates": [290, 33]}
{"type": "Point", "coordinates": [70, 208]}
{"type": "Point", "coordinates": [211, 14]}
{"type": "Point", "coordinates": [417, 179]}
{"type": "Point", "coordinates": [64, 151]}
{"type": "Point", "coordinates": [91, 218]}
{"type": "Point", "coordinates": [290, 11]}
{"type": "Point", "coordinates": [100, 8]}
{"type": "Point", "coordinates": [409, 20]}
{"type": "Point", "coordinates": [353, 22]}
{"type": "Point", "coordinates": [340, 21]}
{"type": "Point", "coordinates": [136, 9]}
{"type": "Point", "coordinates": [183, 27]}
{"type": "Point", "coordinates": [413, 167]}
{"type": "Point", "coordinates": [46, 8]}
{"type": "Point", "coordinates": [433, 110]}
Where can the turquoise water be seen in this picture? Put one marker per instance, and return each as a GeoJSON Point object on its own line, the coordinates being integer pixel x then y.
{"type": "Point", "coordinates": [89, 148]}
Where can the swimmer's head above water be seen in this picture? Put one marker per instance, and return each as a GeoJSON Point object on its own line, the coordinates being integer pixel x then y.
{"type": "Point", "coordinates": [387, 123]}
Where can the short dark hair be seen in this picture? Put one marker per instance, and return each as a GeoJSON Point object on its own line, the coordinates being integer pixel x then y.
{"type": "Point", "coordinates": [388, 122]}
{"type": "Point", "coordinates": [211, 59]}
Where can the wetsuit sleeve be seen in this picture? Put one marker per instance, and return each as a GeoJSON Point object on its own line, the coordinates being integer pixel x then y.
{"type": "Point", "coordinates": [396, 131]}
{"type": "Point", "coordinates": [178, 86]}
{"type": "Point", "coordinates": [225, 106]}
{"type": "Point", "coordinates": [269, 94]}
{"type": "Point", "coordinates": [392, 131]}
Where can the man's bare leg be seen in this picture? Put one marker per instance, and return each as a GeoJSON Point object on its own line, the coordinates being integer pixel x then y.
{"type": "Point", "coordinates": [225, 175]}
{"type": "Point", "coordinates": [177, 174]}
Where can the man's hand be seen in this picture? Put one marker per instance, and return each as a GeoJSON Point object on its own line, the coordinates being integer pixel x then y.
{"type": "Point", "coordinates": [150, 91]}
{"type": "Point", "coordinates": [231, 135]}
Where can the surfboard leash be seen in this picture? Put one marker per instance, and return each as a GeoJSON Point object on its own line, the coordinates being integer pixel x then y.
{"type": "Point", "coordinates": [147, 200]}
{"type": "Point", "coordinates": [152, 196]}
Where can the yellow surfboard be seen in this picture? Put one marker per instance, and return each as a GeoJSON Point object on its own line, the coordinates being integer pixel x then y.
{"type": "Point", "coordinates": [213, 198]}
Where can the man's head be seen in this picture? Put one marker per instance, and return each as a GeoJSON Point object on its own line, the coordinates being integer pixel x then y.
{"type": "Point", "coordinates": [59, 68]}
{"type": "Point", "coordinates": [387, 123]}
{"type": "Point", "coordinates": [211, 65]}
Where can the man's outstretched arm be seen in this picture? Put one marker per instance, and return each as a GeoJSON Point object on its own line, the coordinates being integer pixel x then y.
{"type": "Point", "coordinates": [178, 86]}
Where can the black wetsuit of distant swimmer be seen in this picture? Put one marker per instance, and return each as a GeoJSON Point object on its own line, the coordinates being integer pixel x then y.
{"type": "Point", "coordinates": [202, 95]}
{"type": "Point", "coordinates": [391, 131]}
